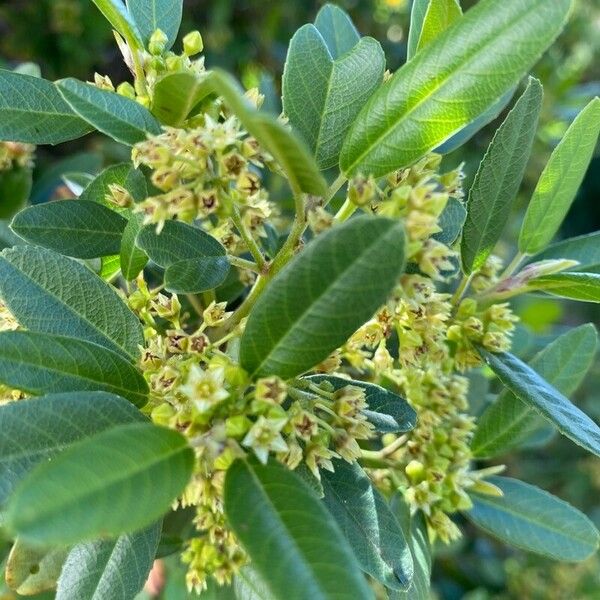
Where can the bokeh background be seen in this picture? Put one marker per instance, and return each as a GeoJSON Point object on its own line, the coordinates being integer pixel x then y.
{"type": "Point", "coordinates": [249, 38]}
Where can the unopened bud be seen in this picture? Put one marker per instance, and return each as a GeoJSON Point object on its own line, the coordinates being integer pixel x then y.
{"type": "Point", "coordinates": [192, 43]}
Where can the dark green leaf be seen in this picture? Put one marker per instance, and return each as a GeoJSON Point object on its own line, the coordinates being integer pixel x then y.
{"type": "Point", "coordinates": [34, 430]}
{"type": "Point", "coordinates": [123, 175]}
{"type": "Point", "coordinates": [342, 277]}
{"type": "Point", "coordinates": [196, 275]}
{"type": "Point", "coordinates": [38, 363]}
{"type": "Point", "coordinates": [51, 293]}
{"type": "Point", "coordinates": [274, 514]}
{"type": "Point", "coordinates": [499, 178]}
{"type": "Point", "coordinates": [450, 83]}
{"type": "Point", "coordinates": [131, 259]}
{"type": "Point", "coordinates": [249, 586]}
{"type": "Point", "coordinates": [15, 186]}
{"type": "Point", "coordinates": [115, 569]}
{"type": "Point", "coordinates": [368, 524]}
{"type": "Point", "coordinates": [32, 111]}
{"type": "Point", "coordinates": [534, 520]}
{"type": "Point", "coordinates": [150, 15]}
{"type": "Point", "coordinates": [584, 248]}
{"type": "Point", "coordinates": [537, 393]}
{"type": "Point", "coordinates": [575, 286]}
{"type": "Point", "coordinates": [337, 29]}
{"type": "Point", "coordinates": [120, 118]}
{"type": "Point", "coordinates": [78, 228]}
{"type": "Point", "coordinates": [117, 481]}
{"type": "Point", "coordinates": [508, 422]}
{"type": "Point", "coordinates": [451, 222]}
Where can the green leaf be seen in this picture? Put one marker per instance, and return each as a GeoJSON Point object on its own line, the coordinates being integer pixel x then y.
{"type": "Point", "coordinates": [439, 16]}
{"type": "Point", "coordinates": [115, 569]}
{"type": "Point", "coordinates": [499, 178]}
{"type": "Point", "coordinates": [388, 412]}
{"type": "Point", "coordinates": [150, 15]}
{"type": "Point", "coordinates": [337, 29]}
{"type": "Point", "coordinates": [274, 514]}
{"type": "Point", "coordinates": [176, 94]}
{"type": "Point", "coordinates": [451, 222]}
{"type": "Point", "coordinates": [123, 175]}
{"type": "Point", "coordinates": [117, 481]}
{"type": "Point", "coordinates": [537, 393]}
{"type": "Point", "coordinates": [450, 83]}
{"type": "Point", "coordinates": [110, 266]}
{"type": "Point", "coordinates": [575, 286]}
{"type": "Point", "coordinates": [508, 422]}
{"type": "Point", "coordinates": [50, 293]}
{"type": "Point", "coordinates": [31, 570]}
{"type": "Point", "coordinates": [290, 152]}
{"type": "Point", "coordinates": [248, 585]}
{"type": "Point", "coordinates": [115, 13]}
{"type": "Point", "coordinates": [78, 228]}
{"type": "Point", "coordinates": [584, 248]}
{"type": "Point", "coordinates": [38, 363]}
{"type": "Point", "coordinates": [368, 524]}
{"type": "Point", "coordinates": [417, 17]}
{"type": "Point", "coordinates": [560, 181]}
{"type": "Point", "coordinates": [34, 430]}
{"type": "Point", "coordinates": [15, 186]}
{"type": "Point", "coordinates": [196, 275]}
{"type": "Point", "coordinates": [337, 88]}
{"type": "Point", "coordinates": [534, 520]}
{"type": "Point", "coordinates": [131, 259]}
{"type": "Point", "coordinates": [32, 111]}
{"type": "Point", "coordinates": [120, 118]}
{"type": "Point", "coordinates": [342, 277]}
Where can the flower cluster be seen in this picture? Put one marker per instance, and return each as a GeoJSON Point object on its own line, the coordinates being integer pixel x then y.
{"type": "Point", "coordinates": [15, 154]}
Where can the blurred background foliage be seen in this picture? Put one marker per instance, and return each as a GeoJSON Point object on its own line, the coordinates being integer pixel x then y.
{"type": "Point", "coordinates": [250, 38]}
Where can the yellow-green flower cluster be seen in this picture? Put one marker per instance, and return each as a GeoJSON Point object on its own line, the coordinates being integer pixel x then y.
{"type": "Point", "coordinates": [15, 154]}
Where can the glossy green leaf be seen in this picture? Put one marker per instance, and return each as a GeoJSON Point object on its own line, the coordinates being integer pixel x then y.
{"type": "Point", "coordinates": [51, 293]}
{"type": "Point", "coordinates": [176, 94]}
{"type": "Point", "coordinates": [32, 111]}
{"type": "Point", "coordinates": [15, 186]}
{"type": "Point", "coordinates": [196, 275]}
{"type": "Point", "coordinates": [439, 16]}
{"type": "Point", "coordinates": [575, 286]}
{"type": "Point", "coordinates": [508, 422]}
{"type": "Point", "coordinates": [388, 412]}
{"type": "Point", "coordinates": [120, 118]}
{"type": "Point", "coordinates": [534, 520]}
{"type": "Point", "coordinates": [450, 83]}
{"type": "Point", "coordinates": [337, 29]}
{"type": "Point", "coordinates": [31, 570]}
{"type": "Point", "coordinates": [537, 393]}
{"type": "Point", "coordinates": [116, 14]}
{"type": "Point", "coordinates": [110, 267]}
{"type": "Point", "coordinates": [117, 481]}
{"type": "Point", "coordinates": [368, 524]}
{"type": "Point", "coordinates": [150, 15]}
{"type": "Point", "coordinates": [417, 17]}
{"type": "Point", "coordinates": [78, 228]}
{"type": "Point", "coordinates": [584, 248]}
{"type": "Point", "coordinates": [560, 181]}
{"type": "Point", "coordinates": [337, 88]}
{"type": "Point", "coordinates": [131, 258]}
{"type": "Point", "coordinates": [115, 569]}
{"type": "Point", "coordinates": [34, 430]}
{"type": "Point", "coordinates": [342, 277]}
{"type": "Point", "coordinates": [499, 178]}
{"type": "Point", "coordinates": [274, 514]}
{"type": "Point", "coordinates": [451, 222]}
{"type": "Point", "coordinates": [290, 152]}
{"type": "Point", "coordinates": [38, 363]}
{"type": "Point", "coordinates": [123, 175]}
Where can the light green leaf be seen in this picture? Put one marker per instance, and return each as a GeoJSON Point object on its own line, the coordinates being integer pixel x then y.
{"type": "Point", "coordinates": [132, 259]}
{"type": "Point", "coordinates": [342, 277]}
{"type": "Point", "coordinates": [508, 422]}
{"type": "Point", "coordinates": [117, 481]}
{"type": "Point", "coordinates": [34, 430]}
{"type": "Point", "coordinates": [176, 94]}
{"type": "Point", "coordinates": [368, 524]}
{"type": "Point", "coordinates": [196, 275]}
{"type": "Point", "coordinates": [560, 181]}
{"type": "Point", "coordinates": [584, 248]}
{"type": "Point", "coordinates": [388, 412]}
{"type": "Point", "coordinates": [38, 363]}
{"type": "Point", "coordinates": [451, 222]}
{"type": "Point", "coordinates": [274, 514]}
{"type": "Point", "coordinates": [78, 228]}
{"type": "Point", "coordinates": [31, 570]}
{"type": "Point", "coordinates": [337, 29]}
{"type": "Point", "coordinates": [116, 14]}
{"type": "Point", "coordinates": [15, 186]}
{"type": "Point", "coordinates": [123, 175]}
{"type": "Point", "coordinates": [32, 111]}
{"type": "Point", "coordinates": [575, 286]}
{"type": "Point", "coordinates": [439, 16]}
{"type": "Point", "coordinates": [120, 118]}
{"type": "Point", "coordinates": [450, 83]}
{"type": "Point", "coordinates": [110, 266]}
{"type": "Point", "coordinates": [499, 178]}
{"type": "Point", "coordinates": [337, 88]}
{"type": "Point", "coordinates": [417, 17]}
{"type": "Point", "coordinates": [534, 520]}
{"type": "Point", "coordinates": [150, 15]}
{"type": "Point", "coordinates": [50, 293]}
{"type": "Point", "coordinates": [290, 152]}
{"type": "Point", "coordinates": [537, 393]}
{"type": "Point", "coordinates": [115, 569]}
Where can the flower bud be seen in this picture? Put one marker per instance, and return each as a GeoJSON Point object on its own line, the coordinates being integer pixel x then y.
{"type": "Point", "coordinates": [158, 42]}
{"type": "Point", "coordinates": [192, 43]}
